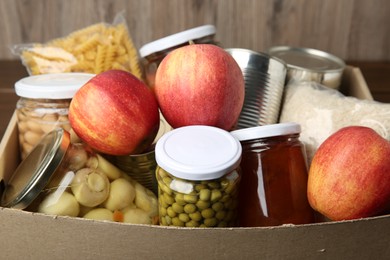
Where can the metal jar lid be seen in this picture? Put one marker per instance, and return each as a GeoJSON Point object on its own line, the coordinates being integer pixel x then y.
{"type": "Point", "coordinates": [177, 39]}
{"type": "Point", "coordinates": [34, 172]}
{"type": "Point", "coordinates": [198, 152]}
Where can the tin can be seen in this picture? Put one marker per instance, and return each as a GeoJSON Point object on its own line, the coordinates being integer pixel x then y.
{"type": "Point", "coordinates": [198, 177]}
{"type": "Point", "coordinates": [274, 177]}
{"type": "Point", "coordinates": [43, 105]}
{"type": "Point", "coordinates": [154, 52]}
{"type": "Point", "coordinates": [69, 179]}
{"type": "Point", "coordinates": [141, 167]}
{"type": "Point", "coordinates": [306, 64]}
{"type": "Point", "coordinates": [264, 85]}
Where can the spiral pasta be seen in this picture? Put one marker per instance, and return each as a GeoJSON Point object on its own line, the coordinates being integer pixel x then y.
{"type": "Point", "coordinates": [93, 49]}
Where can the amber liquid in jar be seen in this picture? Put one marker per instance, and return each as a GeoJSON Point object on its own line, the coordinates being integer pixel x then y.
{"type": "Point", "coordinates": [274, 182]}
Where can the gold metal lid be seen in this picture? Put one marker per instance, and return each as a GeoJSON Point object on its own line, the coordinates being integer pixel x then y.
{"type": "Point", "coordinates": [35, 171]}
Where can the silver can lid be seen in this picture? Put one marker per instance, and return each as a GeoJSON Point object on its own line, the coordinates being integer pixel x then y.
{"type": "Point", "coordinates": [34, 172]}
{"type": "Point", "coordinates": [177, 39]}
{"type": "Point", "coordinates": [198, 152]}
{"type": "Point", "coordinates": [307, 58]}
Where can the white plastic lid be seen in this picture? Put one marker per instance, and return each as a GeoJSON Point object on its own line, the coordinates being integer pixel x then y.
{"type": "Point", "coordinates": [176, 39]}
{"type": "Point", "coordinates": [51, 86]}
{"type": "Point", "coordinates": [264, 131]}
{"type": "Point", "coordinates": [198, 152]}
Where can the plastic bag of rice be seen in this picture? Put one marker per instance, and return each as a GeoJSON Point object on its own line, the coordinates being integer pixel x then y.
{"type": "Point", "coordinates": [321, 111]}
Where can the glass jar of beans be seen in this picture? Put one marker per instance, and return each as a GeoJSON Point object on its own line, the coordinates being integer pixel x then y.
{"type": "Point", "coordinates": [43, 105]}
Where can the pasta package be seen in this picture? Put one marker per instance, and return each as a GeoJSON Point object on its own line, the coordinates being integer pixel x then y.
{"type": "Point", "coordinates": [93, 49]}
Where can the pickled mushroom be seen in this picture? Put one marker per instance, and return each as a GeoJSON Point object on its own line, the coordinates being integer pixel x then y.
{"type": "Point", "coordinates": [146, 200]}
{"type": "Point", "coordinates": [136, 216]}
{"type": "Point", "coordinates": [100, 163]}
{"type": "Point", "coordinates": [90, 187]}
{"type": "Point", "coordinates": [78, 157]}
{"type": "Point", "coordinates": [122, 194]}
{"type": "Point", "coordinates": [64, 205]}
{"type": "Point", "coordinates": [100, 214]}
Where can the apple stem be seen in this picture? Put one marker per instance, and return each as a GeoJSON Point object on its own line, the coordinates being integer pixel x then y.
{"type": "Point", "coordinates": [190, 42]}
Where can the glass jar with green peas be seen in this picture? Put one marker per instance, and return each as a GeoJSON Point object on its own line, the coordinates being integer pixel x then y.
{"type": "Point", "coordinates": [198, 177]}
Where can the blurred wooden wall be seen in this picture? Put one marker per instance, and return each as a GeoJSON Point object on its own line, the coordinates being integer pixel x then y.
{"type": "Point", "coordinates": [350, 29]}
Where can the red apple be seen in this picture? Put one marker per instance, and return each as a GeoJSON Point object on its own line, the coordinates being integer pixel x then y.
{"type": "Point", "coordinates": [200, 84]}
{"type": "Point", "coordinates": [349, 176]}
{"type": "Point", "coordinates": [115, 113]}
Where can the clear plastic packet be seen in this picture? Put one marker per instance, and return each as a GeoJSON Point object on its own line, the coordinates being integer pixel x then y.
{"type": "Point", "coordinates": [322, 111]}
{"type": "Point", "coordinates": [93, 49]}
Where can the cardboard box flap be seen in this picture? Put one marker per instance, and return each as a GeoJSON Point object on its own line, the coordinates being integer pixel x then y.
{"type": "Point", "coordinates": [88, 239]}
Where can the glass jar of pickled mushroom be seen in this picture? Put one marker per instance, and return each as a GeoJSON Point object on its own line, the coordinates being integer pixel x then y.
{"type": "Point", "coordinates": [154, 52]}
{"type": "Point", "coordinates": [274, 176]}
{"type": "Point", "coordinates": [43, 105]}
{"type": "Point", "coordinates": [69, 179]}
{"type": "Point", "coordinates": [198, 177]}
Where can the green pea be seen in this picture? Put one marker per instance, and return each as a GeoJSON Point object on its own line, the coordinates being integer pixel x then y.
{"type": "Point", "coordinates": [168, 220]}
{"type": "Point", "coordinates": [166, 180]}
{"type": "Point", "coordinates": [184, 217]}
{"type": "Point", "coordinates": [177, 222]}
{"type": "Point", "coordinates": [195, 216]}
{"type": "Point", "coordinates": [190, 198]}
{"type": "Point", "coordinates": [217, 206]}
{"type": "Point", "coordinates": [163, 221]}
{"type": "Point", "coordinates": [165, 189]}
{"type": "Point", "coordinates": [200, 187]}
{"type": "Point", "coordinates": [213, 184]}
{"type": "Point", "coordinates": [161, 172]}
{"type": "Point", "coordinates": [192, 223]}
{"type": "Point", "coordinates": [177, 208]}
{"type": "Point", "coordinates": [202, 204]}
{"type": "Point", "coordinates": [208, 213]}
{"type": "Point", "coordinates": [215, 195]}
{"type": "Point", "coordinates": [189, 208]}
{"type": "Point", "coordinates": [171, 212]}
{"type": "Point", "coordinates": [210, 222]}
{"type": "Point", "coordinates": [168, 199]}
{"type": "Point", "coordinates": [180, 199]}
{"type": "Point", "coordinates": [205, 194]}
{"type": "Point", "coordinates": [162, 211]}
{"type": "Point", "coordinates": [162, 202]}
{"type": "Point", "coordinates": [225, 198]}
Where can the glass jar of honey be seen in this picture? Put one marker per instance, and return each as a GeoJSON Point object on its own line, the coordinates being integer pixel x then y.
{"type": "Point", "coordinates": [43, 105]}
{"type": "Point", "coordinates": [154, 52]}
{"type": "Point", "coordinates": [69, 179]}
{"type": "Point", "coordinates": [198, 177]}
{"type": "Point", "coordinates": [274, 176]}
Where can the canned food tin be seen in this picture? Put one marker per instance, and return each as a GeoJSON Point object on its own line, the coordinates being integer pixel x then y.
{"type": "Point", "coordinates": [274, 177]}
{"type": "Point", "coordinates": [154, 52]}
{"type": "Point", "coordinates": [198, 177]}
{"type": "Point", "coordinates": [306, 64]}
{"type": "Point", "coordinates": [43, 105]}
{"type": "Point", "coordinates": [63, 178]}
{"type": "Point", "coordinates": [141, 167]}
{"type": "Point", "coordinates": [264, 85]}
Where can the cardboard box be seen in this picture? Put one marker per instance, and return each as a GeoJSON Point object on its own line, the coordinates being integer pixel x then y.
{"type": "Point", "coordinates": [38, 236]}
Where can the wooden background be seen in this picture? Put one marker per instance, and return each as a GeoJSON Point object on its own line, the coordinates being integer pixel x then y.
{"type": "Point", "coordinates": [351, 29]}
